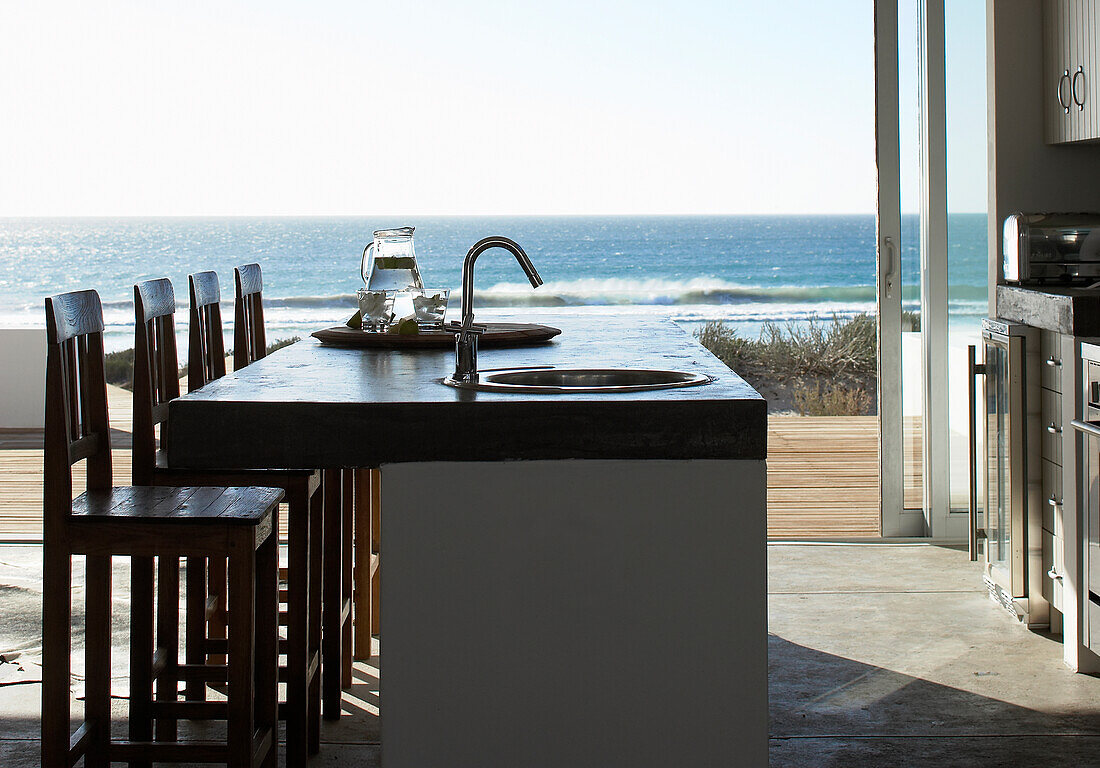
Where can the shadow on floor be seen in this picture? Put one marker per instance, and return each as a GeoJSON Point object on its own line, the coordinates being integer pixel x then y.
{"type": "Point", "coordinates": [827, 710]}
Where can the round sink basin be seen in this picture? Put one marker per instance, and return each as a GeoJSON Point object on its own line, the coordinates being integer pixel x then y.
{"type": "Point", "coordinates": [567, 380]}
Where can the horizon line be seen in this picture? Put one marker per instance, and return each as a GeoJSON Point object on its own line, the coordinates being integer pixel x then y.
{"type": "Point", "coordinates": [4, 216]}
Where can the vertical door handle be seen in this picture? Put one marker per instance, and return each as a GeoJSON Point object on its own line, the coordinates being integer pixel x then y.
{"type": "Point", "coordinates": [1078, 100]}
{"type": "Point", "coordinates": [976, 369]}
{"type": "Point", "coordinates": [889, 257]}
{"type": "Point", "coordinates": [1063, 99]}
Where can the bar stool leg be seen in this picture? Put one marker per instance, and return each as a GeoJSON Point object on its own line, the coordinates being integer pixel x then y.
{"type": "Point", "coordinates": [332, 603]}
{"type": "Point", "coordinates": [316, 561]}
{"type": "Point", "coordinates": [216, 588]}
{"type": "Point", "coordinates": [242, 650]}
{"type": "Point", "coordinates": [347, 519]}
{"type": "Point", "coordinates": [376, 546]}
{"type": "Point", "coordinates": [361, 587]}
{"type": "Point", "coordinates": [97, 657]}
{"type": "Point", "coordinates": [267, 644]}
{"type": "Point", "coordinates": [56, 649]}
{"type": "Point", "coordinates": [141, 652]}
{"type": "Point", "coordinates": [297, 655]}
{"type": "Point", "coordinates": [168, 640]}
{"type": "Point", "coordinates": [195, 628]}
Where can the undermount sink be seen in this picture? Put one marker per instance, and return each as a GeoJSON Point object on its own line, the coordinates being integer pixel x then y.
{"type": "Point", "coordinates": [548, 380]}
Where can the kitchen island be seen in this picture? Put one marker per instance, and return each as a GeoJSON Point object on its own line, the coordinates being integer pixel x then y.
{"type": "Point", "coordinates": [570, 579]}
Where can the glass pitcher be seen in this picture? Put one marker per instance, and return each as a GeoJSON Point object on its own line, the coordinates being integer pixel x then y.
{"type": "Point", "coordinates": [389, 263]}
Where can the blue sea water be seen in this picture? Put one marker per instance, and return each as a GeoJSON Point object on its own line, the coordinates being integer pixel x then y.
{"type": "Point", "coordinates": [742, 269]}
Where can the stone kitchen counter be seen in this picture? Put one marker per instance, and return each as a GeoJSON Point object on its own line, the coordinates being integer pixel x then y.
{"type": "Point", "coordinates": [324, 406]}
{"type": "Point", "coordinates": [1073, 311]}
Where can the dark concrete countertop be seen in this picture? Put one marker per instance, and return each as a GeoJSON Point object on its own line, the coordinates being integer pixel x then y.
{"type": "Point", "coordinates": [313, 405]}
{"type": "Point", "coordinates": [1075, 311]}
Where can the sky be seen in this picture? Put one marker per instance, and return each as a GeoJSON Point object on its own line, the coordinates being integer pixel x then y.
{"type": "Point", "coordinates": [243, 107]}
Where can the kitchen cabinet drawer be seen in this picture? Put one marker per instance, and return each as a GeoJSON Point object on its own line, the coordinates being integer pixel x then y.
{"type": "Point", "coordinates": [1052, 492]}
{"type": "Point", "coordinates": [1051, 426]}
{"type": "Point", "coordinates": [1052, 558]}
{"type": "Point", "coordinates": [1050, 371]}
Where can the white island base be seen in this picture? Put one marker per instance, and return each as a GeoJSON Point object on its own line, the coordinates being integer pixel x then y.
{"type": "Point", "coordinates": [574, 613]}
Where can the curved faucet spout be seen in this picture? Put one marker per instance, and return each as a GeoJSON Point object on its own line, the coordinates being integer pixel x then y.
{"type": "Point", "coordinates": [479, 248]}
{"type": "Point", "coordinates": [466, 332]}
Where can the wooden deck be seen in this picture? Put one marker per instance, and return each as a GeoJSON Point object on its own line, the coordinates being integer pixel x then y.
{"type": "Point", "coordinates": [823, 479]}
{"type": "Point", "coordinates": [822, 475]}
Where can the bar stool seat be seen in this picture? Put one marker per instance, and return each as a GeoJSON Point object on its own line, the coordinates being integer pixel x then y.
{"type": "Point", "coordinates": [165, 509]}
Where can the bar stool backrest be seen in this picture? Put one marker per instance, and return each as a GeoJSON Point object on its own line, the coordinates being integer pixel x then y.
{"type": "Point", "coordinates": [76, 404]}
{"type": "Point", "coordinates": [205, 348]}
{"type": "Point", "coordinates": [249, 338]}
{"type": "Point", "coordinates": [156, 372]}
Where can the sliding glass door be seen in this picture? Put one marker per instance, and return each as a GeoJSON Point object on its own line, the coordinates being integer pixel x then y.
{"type": "Point", "coordinates": [927, 257]}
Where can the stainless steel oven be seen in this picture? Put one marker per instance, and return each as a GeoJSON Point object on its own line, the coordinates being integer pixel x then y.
{"type": "Point", "coordinates": [1006, 532]}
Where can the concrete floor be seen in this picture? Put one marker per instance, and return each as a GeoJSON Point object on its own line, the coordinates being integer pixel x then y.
{"type": "Point", "coordinates": [893, 655]}
{"type": "Point", "coordinates": [880, 655]}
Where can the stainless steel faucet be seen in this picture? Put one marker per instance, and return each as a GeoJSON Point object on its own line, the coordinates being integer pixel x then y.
{"type": "Point", "coordinates": [466, 332]}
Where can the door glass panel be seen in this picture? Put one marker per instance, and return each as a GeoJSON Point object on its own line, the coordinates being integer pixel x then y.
{"type": "Point", "coordinates": [967, 224]}
{"type": "Point", "coordinates": [909, 108]}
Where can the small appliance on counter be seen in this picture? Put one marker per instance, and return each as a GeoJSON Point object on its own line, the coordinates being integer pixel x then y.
{"type": "Point", "coordinates": [1008, 531]}
{"type": "Point", "coordinates": [1052, 248]}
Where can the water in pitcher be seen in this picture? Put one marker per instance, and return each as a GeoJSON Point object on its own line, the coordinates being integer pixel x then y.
{"type": "Point", "coordinates": [389, 263]}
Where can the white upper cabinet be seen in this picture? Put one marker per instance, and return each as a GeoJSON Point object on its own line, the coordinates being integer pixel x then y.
{"type": "Point", "coordinates": [1070, 54]}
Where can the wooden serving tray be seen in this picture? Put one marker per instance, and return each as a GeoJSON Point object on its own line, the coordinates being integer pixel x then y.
{"type": "Point", "coordinates": [497, 335]}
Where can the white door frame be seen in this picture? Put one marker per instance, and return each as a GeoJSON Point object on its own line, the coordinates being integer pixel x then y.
{"type": "Point", "coordinates": [935, 518]}
{"type": "Point", "coordinates": [939, 523]}
{"type": "Point", "coordinates": [888, 271]}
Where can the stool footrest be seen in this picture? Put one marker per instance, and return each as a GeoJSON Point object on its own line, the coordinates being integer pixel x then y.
{"type": "Point", "coordinates": [190, 710]}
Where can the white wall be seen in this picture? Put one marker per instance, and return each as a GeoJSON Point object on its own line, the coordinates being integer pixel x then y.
{"type": "Point", "coordinates": [575, 613]}
{"type": "Point", "coordinates": [22, 377]}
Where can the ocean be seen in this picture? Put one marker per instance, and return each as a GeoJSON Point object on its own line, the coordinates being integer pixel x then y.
{"type": "Point", "coordinates": [744, 270]}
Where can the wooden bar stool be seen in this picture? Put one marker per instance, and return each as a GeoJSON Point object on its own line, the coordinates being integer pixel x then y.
{"type": "Point", "coordinates": [156, 383]}
{"type": "Point", "coordinates": [250, 345]}
{"type": "Point", "coordinates": [143, 523]}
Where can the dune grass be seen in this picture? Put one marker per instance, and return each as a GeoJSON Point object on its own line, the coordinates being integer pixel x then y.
{"type": "Point", "coordinates": [820, 368]}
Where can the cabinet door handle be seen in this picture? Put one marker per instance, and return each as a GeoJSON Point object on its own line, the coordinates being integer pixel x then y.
{"type": "Point", "coordinates": [1053, 362]}
{"type": "Point", "coordinates": [1086, 427]}
{"type": "Point", "coordinates": [1053, 428]}
{"type": "Point", "coordinates": [1053, 574]}
{"type": "Point", "coordinates": [1078, 100]}
{"type": "Point", "coordinates": [1063, 100]}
